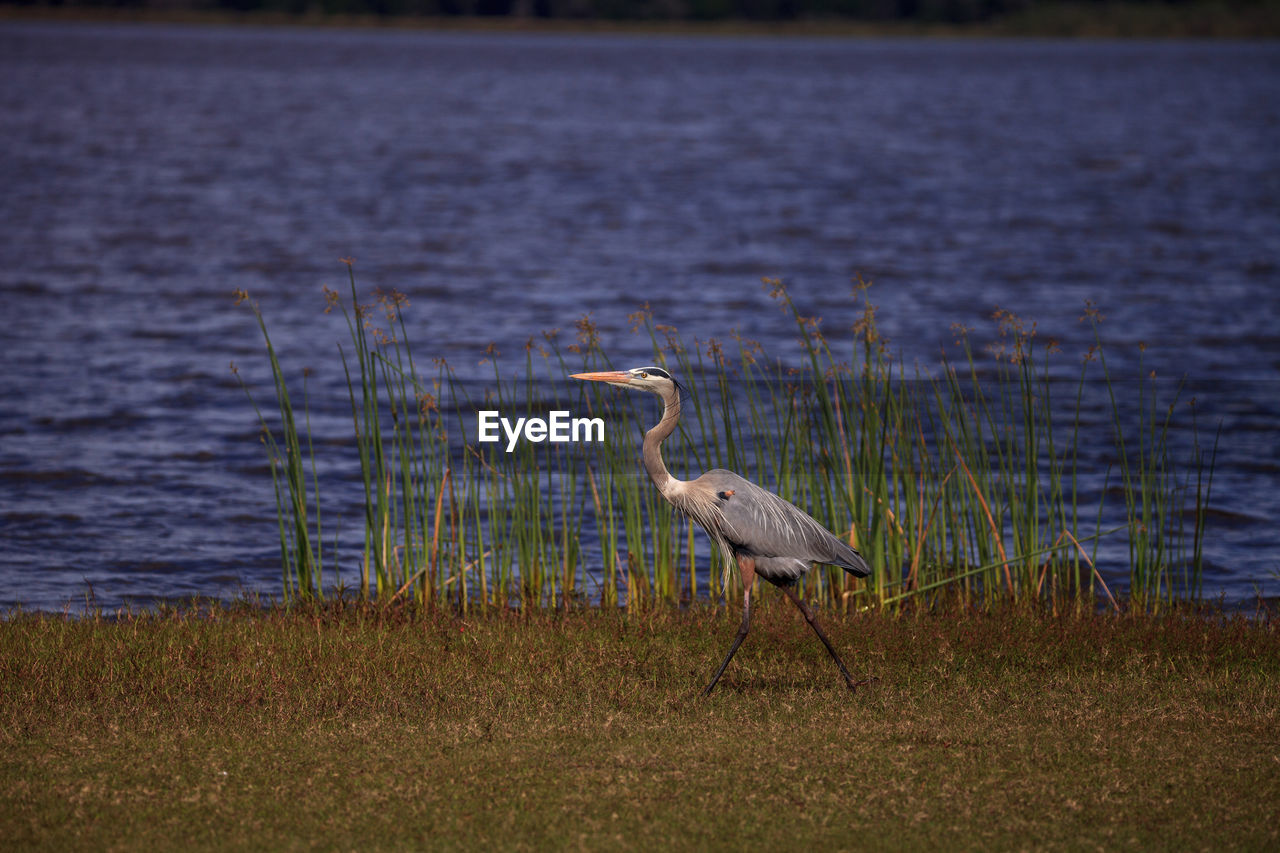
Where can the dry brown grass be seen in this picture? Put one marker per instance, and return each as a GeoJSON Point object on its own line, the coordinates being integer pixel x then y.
{"type": "Point", "coordinates": [375, 729]}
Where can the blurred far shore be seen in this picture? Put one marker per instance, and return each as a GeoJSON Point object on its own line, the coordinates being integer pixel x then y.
{"type": "Point", "coordinates": [945, 18]}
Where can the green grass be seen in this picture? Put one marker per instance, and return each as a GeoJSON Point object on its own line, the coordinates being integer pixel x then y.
{"type": "Point", "coordinates": [373, 728]}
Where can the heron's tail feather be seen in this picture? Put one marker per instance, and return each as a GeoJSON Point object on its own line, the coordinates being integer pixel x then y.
{"type": "Point", "coordinates": [851, 561]}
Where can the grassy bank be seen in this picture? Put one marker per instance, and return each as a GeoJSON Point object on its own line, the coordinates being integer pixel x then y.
{"type": "Point", "coordinates": [1055, 20]}
{"type": "Point", "coordinates": [373, 728]}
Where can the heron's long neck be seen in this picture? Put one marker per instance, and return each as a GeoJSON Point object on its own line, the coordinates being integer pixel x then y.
{"type": "Point", "coordinates": [653, 444]}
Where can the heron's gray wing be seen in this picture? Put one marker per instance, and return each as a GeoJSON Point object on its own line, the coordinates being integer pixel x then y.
{"type": "Point", "coordinates": [759, 522]}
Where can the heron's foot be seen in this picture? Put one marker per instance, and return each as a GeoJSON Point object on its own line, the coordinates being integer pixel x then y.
{"type": "Point", "coordinates": [854, 685]}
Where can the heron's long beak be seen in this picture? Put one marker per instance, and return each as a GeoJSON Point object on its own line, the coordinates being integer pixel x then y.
{"type": "Point", "coordinates": [605, 376]}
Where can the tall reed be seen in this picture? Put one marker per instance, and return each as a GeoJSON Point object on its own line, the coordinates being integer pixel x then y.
{"type": "Point", "coordinates": [971, 478]}
{"type": "Point", "coordinates": [302, 561]}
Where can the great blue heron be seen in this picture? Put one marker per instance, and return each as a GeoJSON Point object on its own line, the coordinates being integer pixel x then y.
{"type": "Point", "coordinates": [766, 535]}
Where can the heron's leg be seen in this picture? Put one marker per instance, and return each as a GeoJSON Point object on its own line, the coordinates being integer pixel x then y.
{"type": "Point", "coordinates": [747, 568]}
{"type": "Point", "coordinates": [813, 623]}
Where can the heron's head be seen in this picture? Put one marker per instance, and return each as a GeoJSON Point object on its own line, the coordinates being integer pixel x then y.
{"type": "Point", "coordinates": [655, 380]}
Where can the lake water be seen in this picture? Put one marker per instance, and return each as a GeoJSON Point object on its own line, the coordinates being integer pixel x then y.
{"type": "Point", "coordinates": [510, 183]}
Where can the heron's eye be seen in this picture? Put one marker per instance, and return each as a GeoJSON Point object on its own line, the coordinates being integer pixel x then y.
{"type": "Point", "coordinates": [644, 375]}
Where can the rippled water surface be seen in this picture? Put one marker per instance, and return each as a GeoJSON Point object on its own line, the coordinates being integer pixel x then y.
{"type": "Point", "coordinates": [508, 184]}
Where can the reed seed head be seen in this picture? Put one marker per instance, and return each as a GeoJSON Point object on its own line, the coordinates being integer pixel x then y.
{"type": "Point", "coordinates": [640, 318]}
{"type": "Point", "coordinates": [331, 299]}
{"type": "Point", "coordinates": [1091, 312]}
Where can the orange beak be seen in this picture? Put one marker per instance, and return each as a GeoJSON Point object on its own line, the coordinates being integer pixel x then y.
{"type": "Point", "coordinates": [606, 376]}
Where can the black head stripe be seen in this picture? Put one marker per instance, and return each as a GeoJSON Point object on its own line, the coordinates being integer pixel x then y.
{"type": "Point", "coordinates": [656, 371]}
